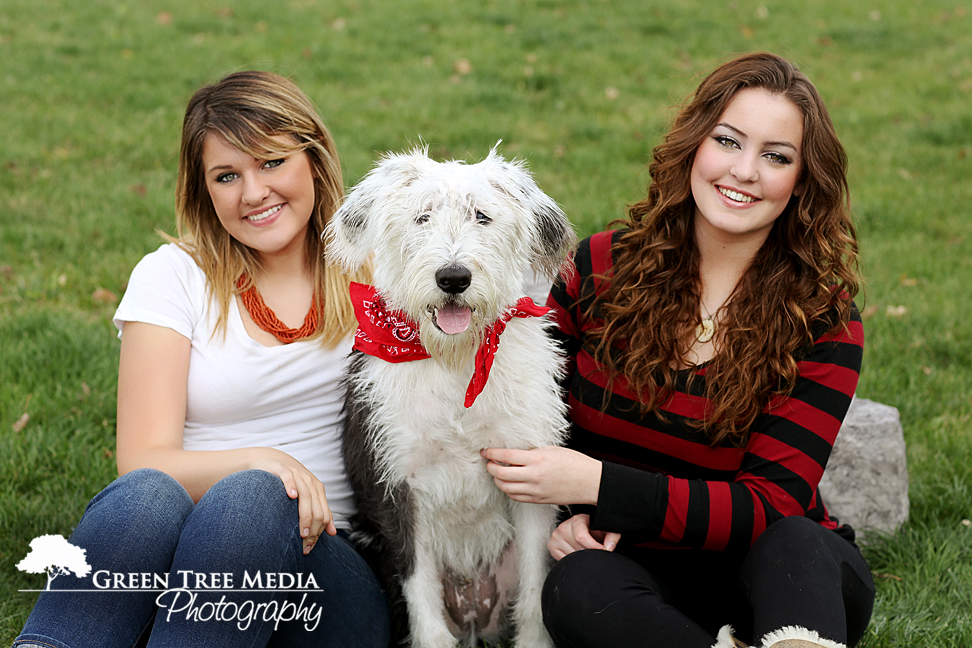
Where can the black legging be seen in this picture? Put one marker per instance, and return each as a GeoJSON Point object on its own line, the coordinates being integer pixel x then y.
{"type": "Point", "coordinates": [796, 574]}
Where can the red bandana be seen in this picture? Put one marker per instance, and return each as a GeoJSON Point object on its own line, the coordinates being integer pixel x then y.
{"type": "Point", "coordinates": [392, 336]}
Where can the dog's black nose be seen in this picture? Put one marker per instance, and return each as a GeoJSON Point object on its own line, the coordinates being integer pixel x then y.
{"type": "Point", "coordinates": [453, 279]}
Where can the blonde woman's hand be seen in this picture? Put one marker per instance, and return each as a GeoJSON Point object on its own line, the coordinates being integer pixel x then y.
{"type": "Point", "coordinates": [576, 534]}
{"type": "Point", "coordinates": [314, 514]}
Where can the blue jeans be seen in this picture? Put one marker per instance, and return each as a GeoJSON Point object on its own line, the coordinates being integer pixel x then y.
{"type": "Point", "coordinates": [223, 572]}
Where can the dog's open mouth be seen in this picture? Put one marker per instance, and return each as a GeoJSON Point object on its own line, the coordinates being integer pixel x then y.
{"type": "Point", "coordinates": [452, 318]}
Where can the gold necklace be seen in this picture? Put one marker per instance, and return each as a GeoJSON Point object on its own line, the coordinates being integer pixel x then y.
{"type": "Point", "coordinates": [705, 330]}
{"type": "Point", "coordinates": [707, 327]}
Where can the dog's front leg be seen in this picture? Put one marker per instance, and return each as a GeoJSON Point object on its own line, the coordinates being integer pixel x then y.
{"type": "Point", "coordinates": [534, 524]}
{"type": "Point", "coordinates": [424, 596]}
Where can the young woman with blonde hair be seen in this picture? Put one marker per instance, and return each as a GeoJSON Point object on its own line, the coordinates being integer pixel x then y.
{"type": "Point", "coordinates": [234, 341]}
{"type": "Point", "coordinates": [714, 350]}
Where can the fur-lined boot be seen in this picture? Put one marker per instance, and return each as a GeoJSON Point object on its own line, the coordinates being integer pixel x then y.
{"type": "Point", "coordinates": [785, 637]}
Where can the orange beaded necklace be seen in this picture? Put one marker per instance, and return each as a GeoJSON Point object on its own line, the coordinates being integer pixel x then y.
{"type": "Point", "coordinates": [267, 320]}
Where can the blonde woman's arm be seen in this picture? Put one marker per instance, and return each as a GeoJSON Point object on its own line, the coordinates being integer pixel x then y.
{"type": "Point", "coordinates": [152, 377]}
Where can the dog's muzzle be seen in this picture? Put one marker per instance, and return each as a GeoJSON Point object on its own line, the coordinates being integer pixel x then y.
{"type": "Point", "coordinates": [452, 318]}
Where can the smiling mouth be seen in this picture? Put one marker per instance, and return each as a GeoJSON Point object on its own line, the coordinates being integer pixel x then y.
{"type": "Point", "coordinates": [264, 214]}
{"type": "Point", "coordinates": [736, 196]}
{"type": "Point", "coordinates": [452, 318]}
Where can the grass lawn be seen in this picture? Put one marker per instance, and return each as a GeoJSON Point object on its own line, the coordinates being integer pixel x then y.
{"type": "Point", "coordinates": [91, 100]}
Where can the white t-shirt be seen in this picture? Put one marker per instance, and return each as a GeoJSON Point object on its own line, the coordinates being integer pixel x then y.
{"type": "Point", "coordinates": [241, 393]}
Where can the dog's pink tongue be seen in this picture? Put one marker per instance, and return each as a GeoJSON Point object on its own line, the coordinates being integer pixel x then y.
{"type": "Point", "coordinates": [454, 319]}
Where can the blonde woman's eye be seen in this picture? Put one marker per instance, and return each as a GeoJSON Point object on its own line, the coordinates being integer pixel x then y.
{"type": "Point", "coordinates": [223, 178]}
{"type": "Point", "coordinates": [778, 158]}
{"type": "Point", "coordinates": [273, 164]}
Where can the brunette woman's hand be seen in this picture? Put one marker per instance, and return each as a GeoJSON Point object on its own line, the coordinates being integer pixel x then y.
{"type": "Point", "coordinates": [301, 484]}
{"type": "Point", "coordinates": [576, 534]}
{"type": "Point", "coordinates": [549, 475]}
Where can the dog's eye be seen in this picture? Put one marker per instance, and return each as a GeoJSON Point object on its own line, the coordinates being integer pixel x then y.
{"type": "Point", "coordinates": [424, 218]}
{"type": "Point", "coordinates": [483, 218]}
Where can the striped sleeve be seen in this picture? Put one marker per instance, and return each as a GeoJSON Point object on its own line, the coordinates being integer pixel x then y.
{"type": "Point", "coordinates": [569, 298]}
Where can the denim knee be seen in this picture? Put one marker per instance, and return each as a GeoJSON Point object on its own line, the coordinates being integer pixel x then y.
{"type": "Point", "coordinates": [146, 502]}
{"type": "Point", "coordinates": [251, 492]}
{"type": "Point", "coordinates": [249, 508]}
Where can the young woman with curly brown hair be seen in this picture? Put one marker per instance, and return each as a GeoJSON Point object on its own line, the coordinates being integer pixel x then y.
{"type": "Point", "coordinates": [714, 349]}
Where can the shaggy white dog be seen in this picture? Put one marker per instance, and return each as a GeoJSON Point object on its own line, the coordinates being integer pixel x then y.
{"type": "Point", "coordinates": [449, 242]}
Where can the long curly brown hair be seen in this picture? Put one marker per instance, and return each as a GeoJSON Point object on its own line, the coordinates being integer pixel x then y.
{"type": "Point", "coordinates": [807, 266]}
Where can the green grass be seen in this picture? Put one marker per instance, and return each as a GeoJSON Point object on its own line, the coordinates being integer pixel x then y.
{"type": "Point", "coordinates": [91, 98]}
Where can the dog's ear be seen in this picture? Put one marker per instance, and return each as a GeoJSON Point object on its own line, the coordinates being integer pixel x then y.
{"type": "Point", "coordinates": [354, 230]}
{"type": "Point", "coordinates": [553, 235]}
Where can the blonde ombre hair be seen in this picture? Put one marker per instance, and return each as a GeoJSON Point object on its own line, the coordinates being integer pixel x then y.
{"type": "Point", "coordinates": [251, 110]}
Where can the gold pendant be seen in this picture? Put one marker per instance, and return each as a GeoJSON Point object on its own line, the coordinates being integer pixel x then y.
{"type": "Point", "coordinates": [705, 330]}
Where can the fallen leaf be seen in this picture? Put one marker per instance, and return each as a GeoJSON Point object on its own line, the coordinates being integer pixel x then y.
{"type": "Point", "coordinates": [966, 522]}
{"type": "Point", "coordinates": [163, 18]}
{"type": "Point", "coordinates": [886, 576]}
{"type": "Point", "coordinates": [869, 310]}
{"type": "Point", "coordinates": [21, 422]}
{"type": "Point", "coordinates": [104, 296]}
{"type": "Point", "coordinates": [462, 66]}
{"type": "Point", "coordinates": [896, 311]}
{"type": "Point", "coordinates": [612, 93]}
{"type": "Point", "coordinates": [339, 24]}
{"type": "Point", "coordinates": [908, 281]}
{"type": "Point", "coordinates": [109, 454]}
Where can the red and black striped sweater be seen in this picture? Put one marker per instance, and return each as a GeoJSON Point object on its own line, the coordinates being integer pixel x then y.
{"type": "Point", "coordinates": [662, 484]}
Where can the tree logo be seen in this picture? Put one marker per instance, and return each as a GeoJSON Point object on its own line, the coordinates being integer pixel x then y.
{"type": "Point", "coordinates": [55, 556]}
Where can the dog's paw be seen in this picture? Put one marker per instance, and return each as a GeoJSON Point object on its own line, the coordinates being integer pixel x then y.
{"type": "Point", "coordinates": [532, 635]}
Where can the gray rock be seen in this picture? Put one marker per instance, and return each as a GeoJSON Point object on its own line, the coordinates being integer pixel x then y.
{"type": "Point", "coordinates": [866, 480]}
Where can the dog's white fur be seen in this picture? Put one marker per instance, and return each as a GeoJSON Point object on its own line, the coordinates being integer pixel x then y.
{"type": "Point", "coordinates": [412, 448]}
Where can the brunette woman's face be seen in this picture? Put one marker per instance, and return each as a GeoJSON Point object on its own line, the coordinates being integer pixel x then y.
{"type": "Point", "coordinates": [746, 169]}
{"type": "Point", "coordinates": [265, 204]}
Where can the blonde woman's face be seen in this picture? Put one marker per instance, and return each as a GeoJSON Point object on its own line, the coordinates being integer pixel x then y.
{"type": "Point", "coordinates": [265, 204]}
{"type": "Point", "coordinates": [746, 169]}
